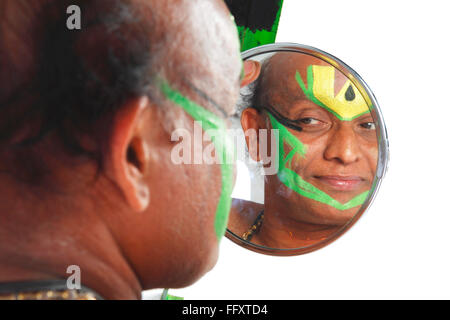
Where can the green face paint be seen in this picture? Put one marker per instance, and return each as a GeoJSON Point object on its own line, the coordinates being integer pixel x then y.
{"type": "Point", "coordinates": [223, 147]}
{"type": "Point", "coordinates": [293, 181]}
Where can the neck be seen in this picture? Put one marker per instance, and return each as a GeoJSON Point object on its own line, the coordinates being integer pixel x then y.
{"type": "Point", "coordinates": [279, 230]}
{"type": "Point", "coordinates": [41, 236]}
{"type": "Point", "coordinates": [290, 234]}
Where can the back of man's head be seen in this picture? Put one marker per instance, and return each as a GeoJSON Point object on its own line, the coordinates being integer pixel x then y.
{"type": "Point", "coordinates": [93, 93]}
{"type": "Point", "coordinates": [55, 78]}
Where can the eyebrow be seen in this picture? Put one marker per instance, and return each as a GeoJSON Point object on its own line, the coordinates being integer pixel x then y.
{"type": "Point", "coordinates": [205, 96]}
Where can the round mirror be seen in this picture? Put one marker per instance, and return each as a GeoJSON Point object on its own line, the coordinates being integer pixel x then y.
{"type": "Point", "coordinates": [312, 150]}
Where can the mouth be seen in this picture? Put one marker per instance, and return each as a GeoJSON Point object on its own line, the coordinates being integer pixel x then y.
{"type": "Point", "coordinates": [341, 183]}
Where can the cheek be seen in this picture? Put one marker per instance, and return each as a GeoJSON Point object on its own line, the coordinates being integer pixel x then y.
{"type": "Point", "coordinates": [183, 206]}
{"type": "Point", "coordinates": [374, 158]}
{"type": "Point", "coordinates": [191, 189]}
{"type": "Point", "coordinates": [370, 152]}
{"type": "Point", "coordinates": [307, 165]}
{"type": "Point", "coordinates": [183, 201]}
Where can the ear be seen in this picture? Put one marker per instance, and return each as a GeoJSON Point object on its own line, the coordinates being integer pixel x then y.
{"type": "Point", "coordinates": [129, 152]}
{"type": "Point", "coordinates": [251, 122]}
{"type": "Point", "coordinates": [252, 69]}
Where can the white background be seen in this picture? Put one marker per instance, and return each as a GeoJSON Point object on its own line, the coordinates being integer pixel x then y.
{"type": "Point", "coordinates": [400, 248]}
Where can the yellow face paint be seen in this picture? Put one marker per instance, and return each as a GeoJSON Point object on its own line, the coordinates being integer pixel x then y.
{"type": "Point", "coordinates": [347, 105]}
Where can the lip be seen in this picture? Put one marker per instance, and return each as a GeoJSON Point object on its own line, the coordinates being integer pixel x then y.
{"type": "Point", "coordinates": [342, 183]}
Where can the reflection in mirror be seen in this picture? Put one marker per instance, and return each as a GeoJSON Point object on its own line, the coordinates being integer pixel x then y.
{"type": "Point", "coordinates": [311, 143]}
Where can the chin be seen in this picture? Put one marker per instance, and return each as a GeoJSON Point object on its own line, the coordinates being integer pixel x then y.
{"type": "Point", "coordinates": [194, 269]}
{"type": "Point", "coordinates": [311, 211]}
{"type": "Point", "coordinates": [336, 217]}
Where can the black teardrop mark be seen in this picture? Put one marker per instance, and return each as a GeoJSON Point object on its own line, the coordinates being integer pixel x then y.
{"type": "Point", "coordinates": [350, 94]}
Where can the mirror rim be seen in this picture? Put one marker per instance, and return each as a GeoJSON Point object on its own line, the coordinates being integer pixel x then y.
{"type": "Point", "coordinates": [382, 136]}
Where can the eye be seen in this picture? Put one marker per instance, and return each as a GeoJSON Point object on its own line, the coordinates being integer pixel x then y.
{"type": "Point", "coordinates": [368, 125]}
{"type": "Point", "coordinates": [311, 121]}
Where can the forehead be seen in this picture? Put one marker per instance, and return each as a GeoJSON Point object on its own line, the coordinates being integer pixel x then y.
{"type": "Point", "coordinates": [278, 74]}
{"type": "Point", "coordinates": [291, 78]}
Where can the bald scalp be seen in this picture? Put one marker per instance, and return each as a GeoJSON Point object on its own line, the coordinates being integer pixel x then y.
{"type": "Point", "coordinates": [280, 70]}
{"type": "Point", "coordinates": [276, 83]}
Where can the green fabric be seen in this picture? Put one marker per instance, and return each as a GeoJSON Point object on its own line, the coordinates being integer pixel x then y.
{"type": "Point", "coordinates": [251, 39]}
{"type": "Point", "coordinates": [166, 296]}
{"type": "Point", "coordinates": [170, 297]}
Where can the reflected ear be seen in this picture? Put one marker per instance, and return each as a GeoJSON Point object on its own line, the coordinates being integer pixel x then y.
{"type": "Point", "coordinates": [129, 152]}
{"type": "Point", "coordinates": [252, 69]}
{"type": "Point", "coordinates": [252, 122]}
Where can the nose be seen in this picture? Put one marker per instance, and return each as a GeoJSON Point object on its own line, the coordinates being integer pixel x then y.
{"type": "Point", "coordinates": [343, 146]}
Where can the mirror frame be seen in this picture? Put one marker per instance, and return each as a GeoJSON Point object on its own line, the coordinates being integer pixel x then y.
{"type": "Point", "coordinates": [382, 137]}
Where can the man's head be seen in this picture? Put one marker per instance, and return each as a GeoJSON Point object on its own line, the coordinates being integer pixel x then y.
{"type": "Point", "coordinates": [328, 145]}
{"type": "Point", "coordinates": [87, 115]}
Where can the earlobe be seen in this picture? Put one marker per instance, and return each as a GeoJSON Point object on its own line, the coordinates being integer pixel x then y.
{"type": "Point", "coordinates": [138, 192]}
{"type": "Point", "coordinates": [130, 154]}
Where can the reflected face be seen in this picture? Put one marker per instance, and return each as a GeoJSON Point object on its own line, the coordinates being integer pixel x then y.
{"type": "Point", "coordinates": [328, 145]}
